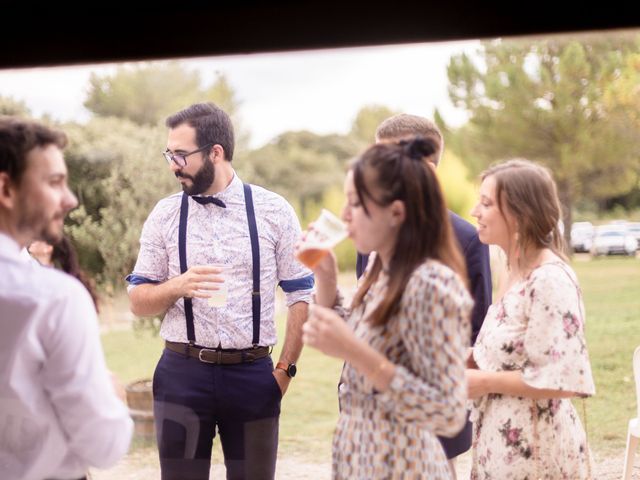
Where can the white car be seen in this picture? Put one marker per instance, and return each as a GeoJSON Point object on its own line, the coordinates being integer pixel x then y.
{"type": "Point", "coordinates": [634, 228]}
{"type": "Point", "coordinates": [582, 236]}
{"type": "Point", "coordinates": [613, 239]}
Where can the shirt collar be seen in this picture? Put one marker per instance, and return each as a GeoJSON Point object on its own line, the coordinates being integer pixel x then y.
{"type": "Point", "coordinates": [233, 190]}
{"type": "Point", "coordinates": [9, 247]}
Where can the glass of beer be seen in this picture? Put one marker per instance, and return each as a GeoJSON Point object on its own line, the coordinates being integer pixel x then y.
{"type": "Point", "coordinates": [328, 230]}
{"type": "Point", "coordinates": [218, 297]}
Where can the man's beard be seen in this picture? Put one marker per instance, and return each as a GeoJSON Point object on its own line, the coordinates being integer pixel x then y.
{"type": "Point", "coordinates": [201, 181]}
{"type": "Point", "coordinates": [42, 228]}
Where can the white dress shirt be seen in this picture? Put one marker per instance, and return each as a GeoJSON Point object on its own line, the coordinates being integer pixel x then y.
{"type": "Point", "coordinates": [59, 413]}
{"type": "Point", "coordinates": [221, 235]}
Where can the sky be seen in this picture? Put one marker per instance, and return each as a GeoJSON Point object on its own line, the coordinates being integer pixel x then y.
{"type": "Point", "coordinates": [317, 90]}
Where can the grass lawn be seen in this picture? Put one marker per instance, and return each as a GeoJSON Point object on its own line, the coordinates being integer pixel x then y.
{"type": "Point", "coordinates": [611, 288]}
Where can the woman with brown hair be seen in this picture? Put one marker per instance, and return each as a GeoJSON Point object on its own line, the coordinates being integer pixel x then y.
{"type": "Point", "coordinates": [530, 356]}
{"type": "Point", "coordinates": [407, 331]}
{"type": "Point", "coordinates": [62, 255]}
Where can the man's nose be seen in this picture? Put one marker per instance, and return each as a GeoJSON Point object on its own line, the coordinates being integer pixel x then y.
{"type": "Point", "coordinates": [70, 201]}
{"type": "Point", "coordinates": [174, 167]}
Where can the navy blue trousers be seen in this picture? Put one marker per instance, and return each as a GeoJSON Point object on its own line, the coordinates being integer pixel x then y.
{"type": "Point", "coordinates": [193, 400]}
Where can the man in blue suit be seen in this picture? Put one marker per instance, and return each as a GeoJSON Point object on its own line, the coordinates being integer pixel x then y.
{"type": "Point", "coordinates": [403, 126]}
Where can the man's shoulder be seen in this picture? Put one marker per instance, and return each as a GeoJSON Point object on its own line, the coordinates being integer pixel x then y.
{"type": "Point", "coordinates": [44, 284]}
{"type": "Point", "coordinates": [167, 205]}
{"type": "Point", "coordinates": [170, 201]}
{"type": "Point", "coordinates": [267, 198]}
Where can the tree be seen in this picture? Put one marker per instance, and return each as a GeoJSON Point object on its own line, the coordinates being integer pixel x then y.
{"type": "Point", "coordinates": [547, 101]}
{"type": "Point", "coordinates": [366, 122]}
{"type": "Point", "coordinates": [147, 93]}
{"type": "Point", "coordinates": [459, 192]}
{"type": "Point", "coordinates": [119, 174]}
{"type": "Point", "coordinates": [10, 106]}
{"type": "Point", "coordinates": [295, 166]}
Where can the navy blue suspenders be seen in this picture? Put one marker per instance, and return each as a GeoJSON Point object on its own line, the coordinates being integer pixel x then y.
{"type": "Point", "coordinates": [182, 252]}
{"type": "Point", "coordinates": [255, 260]}
{"type": "Point", "coordinates": [255, 257]}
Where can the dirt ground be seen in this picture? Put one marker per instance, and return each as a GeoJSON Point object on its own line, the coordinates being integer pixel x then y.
{"type": "Point", "coordinates": [143, 464]}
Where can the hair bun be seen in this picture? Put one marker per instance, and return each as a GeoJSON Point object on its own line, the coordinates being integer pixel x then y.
{"type": "Point", "coordinates": [418, 147]}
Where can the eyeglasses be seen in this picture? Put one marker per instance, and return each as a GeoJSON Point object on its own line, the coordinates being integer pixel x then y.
{"type": "Point", "coordinates": [180, 159]}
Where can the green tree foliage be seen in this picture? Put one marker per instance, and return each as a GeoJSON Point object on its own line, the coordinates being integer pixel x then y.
{"type": "Point", "coordinates": [143, 93]}
{"type": "Point", "coordinates": [363, 129]}
{"type": "Point", "coordinates": [299, 166]}
{"type": "Point", "coordinates": [460, 193]}
{"type": "Point", "coordinates": [11, 106]}
{"type": "Point", "coordinates": [136, 178]}
{"type": "Point", "coordinates": [549, 101]}
{"type": "Point", "coordinates": [93, 150]}
{"type": "Point", "coordinates": [147, 93]}
{"type": "Point", "coordinates": [623, 100]}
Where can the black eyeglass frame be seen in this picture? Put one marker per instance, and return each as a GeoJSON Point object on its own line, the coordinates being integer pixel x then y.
{"type": "Point", "coordinates": [173, 157]}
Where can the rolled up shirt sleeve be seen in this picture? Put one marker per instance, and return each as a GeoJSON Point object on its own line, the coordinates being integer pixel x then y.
{"type": "Point", "coordinates": [152, 265]}
{"type": "Point", "coordinates": [295, 279]}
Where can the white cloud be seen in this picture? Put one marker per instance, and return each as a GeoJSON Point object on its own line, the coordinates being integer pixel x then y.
{"type": "Point", "coordinates": [319, 90]}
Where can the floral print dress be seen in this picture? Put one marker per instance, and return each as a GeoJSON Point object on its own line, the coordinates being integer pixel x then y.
{"type": "Point", "coordinates": [392, 434]}
{"type": "Point", "coordinates": [537, 328]}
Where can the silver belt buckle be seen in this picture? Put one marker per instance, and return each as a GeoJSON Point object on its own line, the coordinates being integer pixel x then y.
{"type": "Point", "coordinates": [209, 361]}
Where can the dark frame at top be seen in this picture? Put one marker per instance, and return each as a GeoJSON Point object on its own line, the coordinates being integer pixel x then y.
{"type": "Point", "coordinates": [34, 35]}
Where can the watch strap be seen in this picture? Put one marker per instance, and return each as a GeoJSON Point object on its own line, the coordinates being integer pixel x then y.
{"type": "Point", "coordinates": [285, 367]}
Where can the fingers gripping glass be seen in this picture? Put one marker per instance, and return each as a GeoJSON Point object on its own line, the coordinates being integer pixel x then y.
{"type": "Point", "coordinates": [180, 159]}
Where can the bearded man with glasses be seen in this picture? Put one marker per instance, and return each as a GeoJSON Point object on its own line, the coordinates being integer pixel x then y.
{"type": "Point", "coordinates": [216, 372]}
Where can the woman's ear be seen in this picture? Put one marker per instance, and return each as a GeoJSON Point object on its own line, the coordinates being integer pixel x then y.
{"type": "Point", "coordinates": [398, 213]}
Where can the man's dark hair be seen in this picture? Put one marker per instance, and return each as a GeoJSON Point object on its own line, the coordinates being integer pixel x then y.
{"type": "Point", "coordinates": [211, 123]}
{"type": "Point", "coordinates": [18, 137]}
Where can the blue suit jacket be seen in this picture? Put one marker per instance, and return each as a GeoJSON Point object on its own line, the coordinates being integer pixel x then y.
{"type": "Point", "coordinates": [476, 255]}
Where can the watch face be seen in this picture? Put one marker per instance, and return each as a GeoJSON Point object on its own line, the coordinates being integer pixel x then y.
{"type": "Point", "coordinates": [292, 370]}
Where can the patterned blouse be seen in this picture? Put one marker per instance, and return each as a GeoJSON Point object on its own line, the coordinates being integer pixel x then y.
{"type": "Point", "coordinates": [537, 328]}
{"type": "Point", "coordinates": [221, 235]}
{"type": "Point", "coordinates": [393, 434]}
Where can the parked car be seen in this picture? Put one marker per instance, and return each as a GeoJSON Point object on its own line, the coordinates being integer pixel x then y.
{"type": "Point", "coordinates": [634, 228]}
{"type": "Point", "coordinates": [582, 236]}
{"type": "Point", "coordinates": [614, 239]}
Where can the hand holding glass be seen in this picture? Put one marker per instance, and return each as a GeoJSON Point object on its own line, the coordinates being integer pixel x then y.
{"type": "Point", "coordinates": [328, 230]}
{"type": "Point", "coordinates": [218, 297]}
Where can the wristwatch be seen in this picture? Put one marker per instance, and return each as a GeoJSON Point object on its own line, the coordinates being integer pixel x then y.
{"type": "Point", "coordinates": [290, 369]}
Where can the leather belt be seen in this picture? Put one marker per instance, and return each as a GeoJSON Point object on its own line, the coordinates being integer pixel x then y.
{"type": "Point", "coordinates": [216, 356]}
